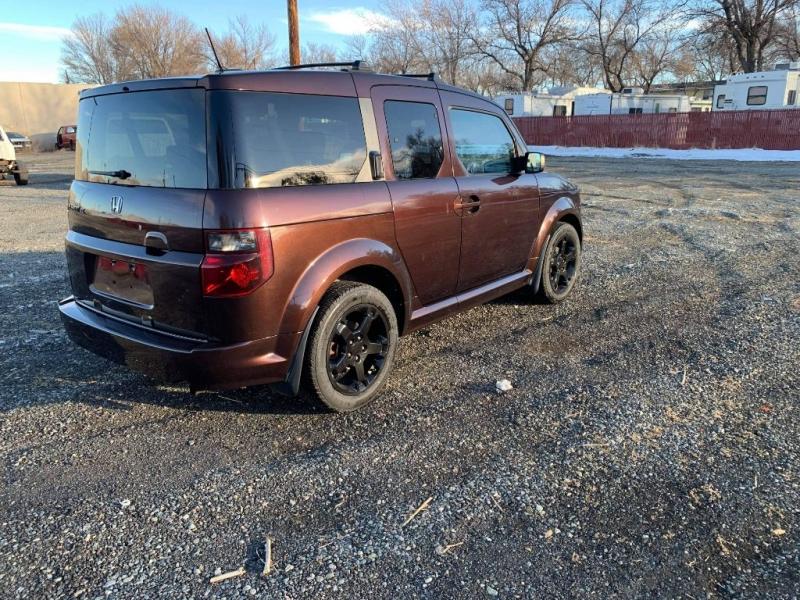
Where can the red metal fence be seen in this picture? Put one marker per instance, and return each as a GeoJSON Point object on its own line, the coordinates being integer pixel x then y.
{"type": "Point", "coordinates": [767, 129]}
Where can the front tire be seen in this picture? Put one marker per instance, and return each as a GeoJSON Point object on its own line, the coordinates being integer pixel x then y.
{"type": "Point", "coordinates": [21, 176]}
{"type": "Point", "coordinates": [561, 264]}
{"type": "Point", "coordinates": [352, 346]}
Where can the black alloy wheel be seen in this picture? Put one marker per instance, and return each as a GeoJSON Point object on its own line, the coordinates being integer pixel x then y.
{"type": "Point", "coordinates": [358, 348]}
{"type": "Point", "coordinates": [351, 347]}
{"type": "Point", "coordinates": [561, 264]}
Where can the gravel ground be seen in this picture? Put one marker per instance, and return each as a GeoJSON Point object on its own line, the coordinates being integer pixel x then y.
{"type": "Point", "coordinates": [649, 446]}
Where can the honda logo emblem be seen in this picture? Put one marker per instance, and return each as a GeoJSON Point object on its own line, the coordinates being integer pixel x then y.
{"type": "Point", "coordinates": [116, 204]}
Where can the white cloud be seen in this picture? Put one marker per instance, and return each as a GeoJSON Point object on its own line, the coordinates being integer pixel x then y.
{"type": "Point", "coordinates": [35, 32]}
{"type": "Point", "coordinates": [348, 21]}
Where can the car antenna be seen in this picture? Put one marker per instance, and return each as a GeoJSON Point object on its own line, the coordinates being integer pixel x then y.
{"type": "Point", "coordinates": [220, 68]}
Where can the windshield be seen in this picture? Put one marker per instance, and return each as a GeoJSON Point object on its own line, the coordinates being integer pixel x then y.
{"type": "Point", "coordinates": [153, 138]}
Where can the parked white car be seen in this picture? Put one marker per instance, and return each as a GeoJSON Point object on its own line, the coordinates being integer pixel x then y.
{"type": "Point", "coordinates": [19, 141]}
{"type": "Point", "coordinates": [8, 161]}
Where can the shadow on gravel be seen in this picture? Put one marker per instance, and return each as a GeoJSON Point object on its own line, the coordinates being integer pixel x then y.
{"type": "Point", "coordinates": [46, 181]}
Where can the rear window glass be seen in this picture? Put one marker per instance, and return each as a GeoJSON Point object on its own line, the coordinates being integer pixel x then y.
{"type": "Point", "coordinates": [270, 139]}
{"type": "Point", "coordinates": [155, 138]}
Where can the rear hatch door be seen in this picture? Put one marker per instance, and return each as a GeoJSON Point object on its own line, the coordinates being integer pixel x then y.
{"type": "Point", "coordinates": [135, 243]}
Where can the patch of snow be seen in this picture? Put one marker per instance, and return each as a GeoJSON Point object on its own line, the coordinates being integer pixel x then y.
{"type": "Point", "coordinates": [744, 154]}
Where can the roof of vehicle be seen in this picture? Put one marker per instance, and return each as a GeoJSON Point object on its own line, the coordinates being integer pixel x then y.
{"type": "Point", "coordinates": [343, 82]}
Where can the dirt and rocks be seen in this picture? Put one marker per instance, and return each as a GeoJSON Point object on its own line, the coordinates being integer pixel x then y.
{"type": "Point", "coordinates": [648, 445]}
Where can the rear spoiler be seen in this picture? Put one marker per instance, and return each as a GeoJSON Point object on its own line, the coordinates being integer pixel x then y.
{"type": "Point", "coordinates": [166, 83]}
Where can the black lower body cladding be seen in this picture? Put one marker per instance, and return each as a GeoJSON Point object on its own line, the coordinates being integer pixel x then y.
{"type": "Point", "coordinates": [171, 358]}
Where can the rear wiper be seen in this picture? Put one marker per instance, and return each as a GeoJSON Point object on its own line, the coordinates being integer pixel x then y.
{"type": "Point", "coordinates": [121, 174]}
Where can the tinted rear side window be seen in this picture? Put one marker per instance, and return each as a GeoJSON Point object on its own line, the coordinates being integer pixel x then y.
{"type": "Point", "coordinates": [415, 139]}
{"type": "Point", "coordinates": [157, 138]}
{"type": "Point", "coordinates": [267, 139]}
{"type": "Point", "coordinates": [483, 144]}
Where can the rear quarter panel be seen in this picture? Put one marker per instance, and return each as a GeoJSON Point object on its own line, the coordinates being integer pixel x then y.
{"type": "Point", "coordinates": [318, 233]}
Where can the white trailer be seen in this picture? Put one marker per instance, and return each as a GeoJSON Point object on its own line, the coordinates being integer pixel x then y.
{"type": "Point", "coordinates": [593, 104]}
{"type": "Point", "coordinates": [763, 90]}
{"type": "Point", "coordinates": [556, 102]}
{"type": "Point", "coordinates": [631, 101]}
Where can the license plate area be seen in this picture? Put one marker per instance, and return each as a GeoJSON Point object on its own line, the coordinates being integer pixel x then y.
{"type": "Point", "coordinates": [122, 280]}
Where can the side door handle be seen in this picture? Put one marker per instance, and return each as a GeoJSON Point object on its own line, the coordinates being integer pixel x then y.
{"type": "Point", "coordinates": [471, 204]}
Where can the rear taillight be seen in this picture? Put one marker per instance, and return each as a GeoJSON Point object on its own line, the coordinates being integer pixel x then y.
{"type": "Point", "coordinates": [236, 261]}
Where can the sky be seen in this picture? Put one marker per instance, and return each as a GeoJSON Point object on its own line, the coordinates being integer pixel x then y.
{"type": "Point", "coordinates": [31, 30]}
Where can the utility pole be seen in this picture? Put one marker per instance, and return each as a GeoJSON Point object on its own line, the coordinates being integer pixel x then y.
{"type": "Point", "coordinates": [294, 32]}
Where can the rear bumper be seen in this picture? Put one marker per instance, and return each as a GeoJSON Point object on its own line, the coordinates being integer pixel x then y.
{"type": "Point", "coordinates": [169, 358]}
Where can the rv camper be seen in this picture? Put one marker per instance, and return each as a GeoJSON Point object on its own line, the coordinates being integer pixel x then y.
{"type": "Point", "coordinates": [631, 101]}
{"type": "Point", "coordinates": [556, 102]}
{"type": "Point", "coordinates": [760, 91]}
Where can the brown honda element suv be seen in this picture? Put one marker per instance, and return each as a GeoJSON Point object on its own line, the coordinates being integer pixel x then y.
{"type": "Point", "coordinates": [245, 228]}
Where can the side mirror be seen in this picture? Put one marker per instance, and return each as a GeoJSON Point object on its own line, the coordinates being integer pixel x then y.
{"type": "Point", "coordinates": [535, 162]}
{"type": "Point", "coordinates": [530, 162]}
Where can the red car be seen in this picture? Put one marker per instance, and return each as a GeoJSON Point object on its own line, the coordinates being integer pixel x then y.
{"type": "Point", "coordinates": [65, 138]}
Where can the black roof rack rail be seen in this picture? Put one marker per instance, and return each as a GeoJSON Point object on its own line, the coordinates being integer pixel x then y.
{"type": "Point", "coordinates": [353, 65]}
{"type": "Point", "coordinates": [429, 76]}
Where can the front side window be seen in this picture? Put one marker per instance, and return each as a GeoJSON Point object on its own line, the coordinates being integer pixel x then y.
{"type": "Point", "coordinates": [272, 139]}
{"type": "Point", "coordinates": [482, 141]}
{"type": "Point", "coordinates": [509, 106]}
{"type": "Point", "coordinates": [415, 139]}
{"type": "Point", "coordinates": [757, 95]}
{"type": "Point", "coordinates": [792, 97]}
{"type": "Point", "coordinates": [720, 100]}
{"type": "Point", "coordinates": [559, 111]}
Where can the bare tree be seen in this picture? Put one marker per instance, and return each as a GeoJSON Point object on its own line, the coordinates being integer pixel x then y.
{"type": "Point", "coordinates": [788, 34]}
{"type": "Point", "coordinates": [568, 65]}
{"type": "Point", "coordinates": [357, 47]}
{"type": "Point", "coordinates": [319, 53]}
{"type": "Point", "coordinates": [244, 46]}
{"type": "Point", "coordinates": [86, 55]}
{"type": "Point", "coordinates": [657, 55]}
{"type": "Point", "coordinates": [484, 77]}
{"type": "Point", "coordinates": [713, 54]}
{"type": "Point", "coordinates": [156, 42]}
{"type": "Point", "coordinates": [619, 28]}
{"type": "Point", "coordinates": [396, 42]}
{"type": "Point", "coordinates": [448, 28]}
{"type": "Point", "coordinates": [514, 33]}
{"type": "Point", "coordinates": [751, 25]}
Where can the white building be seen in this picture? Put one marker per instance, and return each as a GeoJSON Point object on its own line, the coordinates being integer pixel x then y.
{"type": "Point", "coordinates": [759, 91]}
{"type": "Point", "coordinates": [631, 101]}
{"type": "Point", "coordinates": [556, 102]}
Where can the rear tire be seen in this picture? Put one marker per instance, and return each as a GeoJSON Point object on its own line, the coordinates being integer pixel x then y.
{"type": "Point", "coordinates": [352, 346]}
{"type": "Point", "coordinates": [561, 264]}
